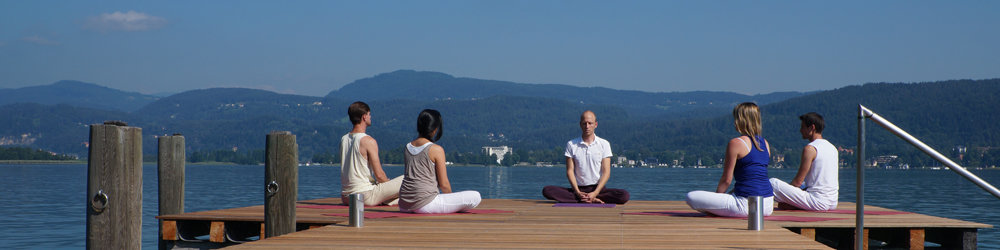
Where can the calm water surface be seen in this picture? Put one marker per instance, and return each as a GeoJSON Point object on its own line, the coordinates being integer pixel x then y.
{"type": "Point", "coordinates": [44, 205]}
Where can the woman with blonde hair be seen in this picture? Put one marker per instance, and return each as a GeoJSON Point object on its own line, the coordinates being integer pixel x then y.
{"type": "Point", "coordinates": [746, 160]}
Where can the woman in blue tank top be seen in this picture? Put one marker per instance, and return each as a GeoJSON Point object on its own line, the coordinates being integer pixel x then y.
{"type": "Point", "coordinates": [746, 161]}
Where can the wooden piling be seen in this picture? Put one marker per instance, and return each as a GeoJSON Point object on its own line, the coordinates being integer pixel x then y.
{"type": "Point", "coordinates": [280, 183]}
{"type": "Point", "coordinates": [170, 175]}
{"type": "Point", "coordinates": [114, 187]}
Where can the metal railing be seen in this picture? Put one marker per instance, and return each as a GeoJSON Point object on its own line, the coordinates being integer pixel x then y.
{"type": "Point", "coordinates": [865, 113]}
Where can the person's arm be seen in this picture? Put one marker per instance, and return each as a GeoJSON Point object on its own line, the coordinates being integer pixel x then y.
{"type": "Point", "coordinates": [808, 155]}
{"type": "Point", "coordinates": [369, 149]}
{"type": "Point", "coordinates": [437, 156]}
{"type": "Point", "coordinates": [729, 164]}
{"type": "Point", "coordinates": [605, 175]}
{"type": "Point", "coordinates": [768, 146]}
{"type": "Point", "coordinates": [571, 176]}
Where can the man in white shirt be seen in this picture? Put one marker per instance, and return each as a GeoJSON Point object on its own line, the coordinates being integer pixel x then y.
{"type": "Point", "coordinates": [818, 171]}
{"type": "Point", "coordinates": [588, 167]}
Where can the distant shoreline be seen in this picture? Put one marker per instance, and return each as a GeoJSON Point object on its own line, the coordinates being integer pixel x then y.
{"type": "Point", "coordinates": [40, 162]}
{"type": "Point", "coordinates": [71, 162]}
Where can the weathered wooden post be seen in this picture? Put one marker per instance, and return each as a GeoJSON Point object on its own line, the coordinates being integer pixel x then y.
{"type": "Point", "coordinates": [170, 175]}
{"type": "Point", "coordinates": [281, 182]}
{"type": "Point", "coordinates": [114, 187]}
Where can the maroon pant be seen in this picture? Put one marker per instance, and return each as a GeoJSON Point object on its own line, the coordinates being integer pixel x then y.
{"type": "Point", "coordinates": [566, 195]}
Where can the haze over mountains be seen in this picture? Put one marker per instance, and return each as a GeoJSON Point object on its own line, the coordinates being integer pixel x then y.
{"type": "Point", "coordinates": [530, 117]}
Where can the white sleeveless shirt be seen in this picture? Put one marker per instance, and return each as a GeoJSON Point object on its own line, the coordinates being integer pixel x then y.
{"type": "Point", "coordinates": [355, 176]}
{"type": "Point", "coordinates": [822, 179]}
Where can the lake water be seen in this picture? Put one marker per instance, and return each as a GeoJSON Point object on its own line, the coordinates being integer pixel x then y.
{"type": "Point", "coordinates": [43, 206]}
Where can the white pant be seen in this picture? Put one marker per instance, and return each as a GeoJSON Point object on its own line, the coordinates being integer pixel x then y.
{"type": "Point", "coordinates": [450, 203]}
{"type": "Point", "coordinates": [727, 205]}
{"type": "Point", "coordinates": [786, 193]}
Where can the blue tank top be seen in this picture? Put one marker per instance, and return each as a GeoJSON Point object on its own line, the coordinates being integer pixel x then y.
{"type": "Point", "coordinates": [751, 173]}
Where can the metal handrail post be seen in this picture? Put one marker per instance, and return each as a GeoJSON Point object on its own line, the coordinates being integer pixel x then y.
{"type": "Point", "coordinates": [930, 151]}
{"type": "Point", "coordinates": [859, 222]}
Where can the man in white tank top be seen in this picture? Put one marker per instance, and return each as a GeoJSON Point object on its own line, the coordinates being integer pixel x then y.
{"type": "Point", "coordinates": [818, 171]}
{"type": "Point", "coordinates": [360, 169]}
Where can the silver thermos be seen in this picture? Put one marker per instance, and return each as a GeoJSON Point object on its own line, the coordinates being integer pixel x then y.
{"type": "Point", "coordinates": [357, 207]}
{"type": "Point", "coordinates": [755, 219]}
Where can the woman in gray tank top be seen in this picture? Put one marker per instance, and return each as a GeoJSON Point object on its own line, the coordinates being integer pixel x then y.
{"type": "Point", "coordinates": [426, 173]}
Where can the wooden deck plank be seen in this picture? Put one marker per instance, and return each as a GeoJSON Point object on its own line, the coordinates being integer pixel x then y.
{"type": "Point", "coordinates": [536, 224]}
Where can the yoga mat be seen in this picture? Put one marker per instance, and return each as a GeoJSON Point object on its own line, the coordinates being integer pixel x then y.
{"type": "Point", "coordinates": [844, 211]}
{"type": "Point", "coordinates": [770, 218]}
{"type": "Point", "coordinates": [799, 218]}
{"type": "Point", "coordinates": [379, 215]}
{"type": "Point", "coordinates": [607, 205]}
{"type": "Point", "coordinates": [672, 213]}
{"type": "Point", "coordinates": [317, 203]}
{"type": "Point", "coordinates": [333, 206]}
{"type": "Point", "coordinates": [322, 206]}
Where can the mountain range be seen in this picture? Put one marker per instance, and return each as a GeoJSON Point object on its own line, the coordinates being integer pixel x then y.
{"type": "Point", "coordinates": [532, 118]}
{"type": "Point", "coordinates": [76, 93]}
{"type": "Point", "coordinates": [432, 86]}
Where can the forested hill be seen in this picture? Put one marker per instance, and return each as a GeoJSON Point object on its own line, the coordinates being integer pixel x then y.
{"type": "Point", "coordinates": [227, 104]}
{"type": "Point", "coordinates": [58, 128]}
{"type": "Point", "coordinates": [944, 114]}
{"type": "Point", "coordinates": [429, 86]}
{"type": "Point", "coordinates": [78, 94]}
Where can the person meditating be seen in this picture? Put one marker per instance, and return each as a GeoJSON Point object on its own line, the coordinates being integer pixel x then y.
{"type": "Point", "coordinates": [426, 173]}
{"type": "Point", "coordinates": [818, 171]}
{"type": "Point", "coordinates": [588, 167]}
{"type": "Point", "coordinates": [359, 162]}
{"type": "Point", "coordinates": [746, 160]}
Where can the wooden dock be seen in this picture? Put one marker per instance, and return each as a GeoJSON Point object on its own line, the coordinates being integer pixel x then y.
{"type": "Point", "coordinates": [537, 224]}
{"type": "Point", "coordinates": [237, 225]}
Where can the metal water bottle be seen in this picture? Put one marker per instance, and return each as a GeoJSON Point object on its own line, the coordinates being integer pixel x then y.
{"type": "Point", "coordinates": [755, 219]}
{"type": "Point", "coordinates": [357, 207]}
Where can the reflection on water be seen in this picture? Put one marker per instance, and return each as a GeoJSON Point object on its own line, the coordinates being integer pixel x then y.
{"type": "Point", "coordinates": [497, 177]}
{"type": "Point", "coordinates": [44, 205]}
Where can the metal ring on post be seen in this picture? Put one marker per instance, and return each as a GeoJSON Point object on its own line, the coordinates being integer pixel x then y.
{"type": "Point", "coordinates": [100, 197]}
{"type": "Point", "coordinates": [272, 188]}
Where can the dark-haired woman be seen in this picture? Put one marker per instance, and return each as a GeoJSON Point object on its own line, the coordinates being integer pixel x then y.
{"type": "Point", "coordinates": [426, 173]}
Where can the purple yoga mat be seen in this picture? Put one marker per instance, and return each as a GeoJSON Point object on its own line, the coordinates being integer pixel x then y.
{"type": "Point", "coordinates": [607, 205]}
{"type": "Point", "coordinates": [771, 218]}
{"type": "Point", "coordinates": [393, 214]}
{"type": "Point", "coordinates": [844, 211]}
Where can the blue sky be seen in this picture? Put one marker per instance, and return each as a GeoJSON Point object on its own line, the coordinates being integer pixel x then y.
{"type": "Point", "coordinates": [313, 47]}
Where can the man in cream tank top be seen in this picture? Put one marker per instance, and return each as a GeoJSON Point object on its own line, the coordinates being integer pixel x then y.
{"type": "Point", "coordinates": [360, 169]}
{"type": "Point", "coordinates": [818, 171]}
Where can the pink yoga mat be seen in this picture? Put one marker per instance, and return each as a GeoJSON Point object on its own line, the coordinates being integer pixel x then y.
{"type": "Point", "coordinates": [771, 218]}
{"type": "Point", "coordinates": [673, 213]}
{"type": "Point", "coordinates": [333, 206]}
{"type": "Point", "coordinates": [379, 215]}
{"type": "Point", "coordinates": [607, 205]}
{"type": "Point", "coordinates": [844, 211]}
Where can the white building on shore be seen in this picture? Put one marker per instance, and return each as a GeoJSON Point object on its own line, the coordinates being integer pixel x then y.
{"type": "Point", "coordinates": [499, 151]}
